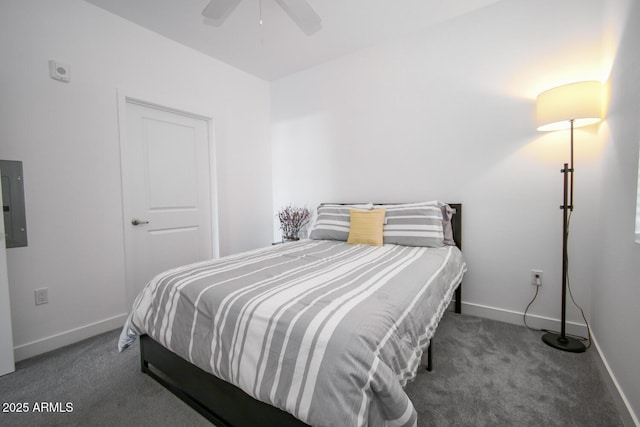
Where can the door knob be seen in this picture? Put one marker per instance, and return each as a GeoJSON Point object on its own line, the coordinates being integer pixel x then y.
{"type": "Point", "coordinates": [136, 221]}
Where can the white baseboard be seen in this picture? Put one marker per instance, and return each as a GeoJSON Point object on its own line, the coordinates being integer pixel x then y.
{"type": "Point", "coordinates": [515, 318]}
{"type": "Point", "coordinates": [34, 348]}
{"type": "Point", "coordinates": [629, 418]}
{"type": "Point", "coordinates": [539, 322]}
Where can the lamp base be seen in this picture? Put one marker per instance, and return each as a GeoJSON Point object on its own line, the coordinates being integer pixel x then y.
{"type": "Point", "coordinates": [564, 343]}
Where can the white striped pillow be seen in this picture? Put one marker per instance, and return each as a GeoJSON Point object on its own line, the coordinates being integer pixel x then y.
{"type": "Point", "coordinates": [333, 221]}
{"type": "Point", "coordinates": [414, 224]}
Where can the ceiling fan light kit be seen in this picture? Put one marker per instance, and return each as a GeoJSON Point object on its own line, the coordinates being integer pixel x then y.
{"type": "Point", "coordinates": [300, 12]}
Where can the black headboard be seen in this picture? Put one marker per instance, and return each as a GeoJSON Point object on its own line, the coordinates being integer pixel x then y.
{"type": "Point", "coordinates": [456, 224]}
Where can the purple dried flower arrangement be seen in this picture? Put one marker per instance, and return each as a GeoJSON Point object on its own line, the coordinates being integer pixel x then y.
{"type": "Point", "coordinates": [292, 219]}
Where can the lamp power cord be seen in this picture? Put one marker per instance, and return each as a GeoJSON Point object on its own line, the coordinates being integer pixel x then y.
{"type": "Point", "coordinates": [584, 339]}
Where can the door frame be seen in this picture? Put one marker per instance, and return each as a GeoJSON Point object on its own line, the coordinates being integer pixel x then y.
{"type": "Point", "coordinates": [7, 346]}
{"type": "Point", "coordinates": [124, 97]}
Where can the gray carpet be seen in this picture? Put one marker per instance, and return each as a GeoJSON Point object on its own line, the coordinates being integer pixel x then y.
{"type": "Point", "coordinates": [489, 373]}
{"type": "Point", "coordinates": [486, 373]}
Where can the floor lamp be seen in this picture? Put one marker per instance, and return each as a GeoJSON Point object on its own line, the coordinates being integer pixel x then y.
{"type": "Point", "coordinates": [568, 107]}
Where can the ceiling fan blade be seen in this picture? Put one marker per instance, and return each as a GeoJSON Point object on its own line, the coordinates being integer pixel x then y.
{"type": "Point", "coordinates": [218, 10]}
{"type": "Point", "coordinates": [302, 14]}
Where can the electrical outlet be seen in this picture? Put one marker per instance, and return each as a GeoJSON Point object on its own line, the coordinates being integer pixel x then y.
{"type": "Point", "coordinates": [42, 296]}
{"type": "Point", "coordinates": [536, 277]}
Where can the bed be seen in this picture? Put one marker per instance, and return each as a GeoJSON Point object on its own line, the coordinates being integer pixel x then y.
{"type": "Point", "coordinates": [321, 329]}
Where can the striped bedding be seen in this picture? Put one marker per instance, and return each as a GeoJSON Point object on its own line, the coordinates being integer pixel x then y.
{"type": "Point", "coordinates": [327, 331]}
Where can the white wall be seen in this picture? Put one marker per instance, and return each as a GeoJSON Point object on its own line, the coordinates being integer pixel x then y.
{"type": "Point", "coordinates": [615, 314]}
{"type": "Point", "coordinates": [449, 113]}
{"type": "Point", "coordinates": [67, 136]}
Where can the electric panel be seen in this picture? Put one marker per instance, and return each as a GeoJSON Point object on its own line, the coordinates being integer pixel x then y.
{"type": "Point", "coordinates": [13, 209]}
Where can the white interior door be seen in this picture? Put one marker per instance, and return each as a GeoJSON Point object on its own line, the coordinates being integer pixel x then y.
{"type": "Point", "coordinates": [166, 172]}
{"type": "Point", "coordinates": [6, 336]}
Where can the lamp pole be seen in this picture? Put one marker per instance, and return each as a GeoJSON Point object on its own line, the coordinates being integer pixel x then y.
{"type": "Point", "coordinates": [571, 171]}
{"type": "Point", "coordinates": [562, 341]}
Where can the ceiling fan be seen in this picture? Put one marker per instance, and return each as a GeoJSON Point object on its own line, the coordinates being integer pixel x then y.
{"type": "Point", "coordinates": [300, 11]}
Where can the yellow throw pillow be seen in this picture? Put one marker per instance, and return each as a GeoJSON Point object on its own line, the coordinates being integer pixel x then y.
{"type": "Point", "coordinates": [366, 226]}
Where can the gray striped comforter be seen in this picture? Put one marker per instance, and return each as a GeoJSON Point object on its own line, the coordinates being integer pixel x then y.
{"type": "Point", "coordinates": [327, 331]}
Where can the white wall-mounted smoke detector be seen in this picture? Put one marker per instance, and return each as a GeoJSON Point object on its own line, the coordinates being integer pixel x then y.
{"type": "Point", "coordinates": [59, 70]}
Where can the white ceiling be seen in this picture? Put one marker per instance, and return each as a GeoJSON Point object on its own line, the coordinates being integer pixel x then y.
{"type": "Point", "coordinates": [278, 47]}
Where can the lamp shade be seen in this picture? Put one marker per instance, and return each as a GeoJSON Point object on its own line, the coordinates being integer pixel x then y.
{"type": "Point", "coordinates": [580, 102]}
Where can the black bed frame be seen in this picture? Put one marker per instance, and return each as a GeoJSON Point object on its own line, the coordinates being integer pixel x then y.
{"type": "Point", "coordinates": [223, 403]}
